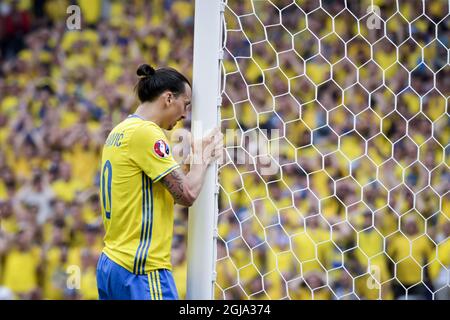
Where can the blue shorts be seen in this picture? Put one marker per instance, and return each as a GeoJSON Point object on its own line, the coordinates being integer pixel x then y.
{"type": "Point", "coordinates": [114, 282]}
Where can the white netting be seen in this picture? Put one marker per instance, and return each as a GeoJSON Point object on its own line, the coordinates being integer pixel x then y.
{"type": "Point", "coordinates": [358, 206]}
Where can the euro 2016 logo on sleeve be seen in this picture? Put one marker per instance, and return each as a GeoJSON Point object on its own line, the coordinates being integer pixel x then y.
{"type": "Point", "coordinates": [161, 149]}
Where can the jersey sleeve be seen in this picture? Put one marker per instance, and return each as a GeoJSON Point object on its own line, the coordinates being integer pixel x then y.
{"type": "Point", "coordinates": [150, 150]}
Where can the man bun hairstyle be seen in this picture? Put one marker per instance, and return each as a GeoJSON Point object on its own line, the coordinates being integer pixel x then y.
{"type": "Point", "coordinates": [145, 70]}
{"type": "Point", "coordinates": [152, 83]}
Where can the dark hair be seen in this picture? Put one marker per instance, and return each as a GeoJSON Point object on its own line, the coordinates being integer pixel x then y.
{"type": "Point", "coordinates": [153, 83]}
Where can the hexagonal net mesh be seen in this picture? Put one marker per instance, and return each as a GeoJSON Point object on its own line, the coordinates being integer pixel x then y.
{"type": "Point", "coordinates": [336, 178]}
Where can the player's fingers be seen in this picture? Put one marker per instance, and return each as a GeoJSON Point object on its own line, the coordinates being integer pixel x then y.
{"type": "Point", "coordinates": [215, 130]}
{"type": "Point", "coordinates": [213, 133]}
{"type": "Point", "coordinates": [218, 153]}
{"type": "Point", "coordinates": [217, 137]}
{"type": "Point", "coordinates": [215, 149]}
{"type": "Point", "coordinates": [218, 144]}
{"type": "Point", "coordinates": [211, 140]}
{"type": "Point", "coordinates": [217, 141]}
{"type": "Point", "coordinates": [210, 150]}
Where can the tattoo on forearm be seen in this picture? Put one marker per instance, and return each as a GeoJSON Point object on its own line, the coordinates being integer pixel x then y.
{"type": "Point", "coordinates": [174, 183]}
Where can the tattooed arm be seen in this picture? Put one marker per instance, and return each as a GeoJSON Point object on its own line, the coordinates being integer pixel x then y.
{"type": "Point", "coordinates": [186, 188]}
{"type": "Point", "coordinates": [177, 185]}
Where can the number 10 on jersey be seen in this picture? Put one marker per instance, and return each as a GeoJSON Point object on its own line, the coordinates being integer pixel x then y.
{"type": "Point", "coordinates": [106, 192]}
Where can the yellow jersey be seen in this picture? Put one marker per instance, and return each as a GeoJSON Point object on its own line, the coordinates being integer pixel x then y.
{"type": "Point", "coordinates": [137, 210]}
{"type": "Point", "coordinates": [21, 270]}
{"type": "Point", "coordinates": [411, 255]}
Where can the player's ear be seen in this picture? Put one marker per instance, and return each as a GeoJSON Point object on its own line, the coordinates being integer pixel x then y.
{"type": "Point", "coordinates": [168, 97]}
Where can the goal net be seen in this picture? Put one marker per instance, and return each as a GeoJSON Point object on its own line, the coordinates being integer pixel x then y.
{"type": "Point", "coordinates": [336, 176]}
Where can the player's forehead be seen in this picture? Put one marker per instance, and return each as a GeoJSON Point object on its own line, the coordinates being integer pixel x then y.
{"type": "Point", "coordinates": [187, 95]}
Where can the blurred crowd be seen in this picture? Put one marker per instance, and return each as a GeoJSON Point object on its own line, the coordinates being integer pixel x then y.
{"type": "Point", "coordinates": [353, 106]}
{"type": "Point", "coordinates": [61, 92]}
{"type": "Point", "coordinates": [358, 207]}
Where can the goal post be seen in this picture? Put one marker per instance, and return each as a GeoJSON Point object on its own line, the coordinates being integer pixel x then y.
{"type": "Point", "coordinates": [202, 225]}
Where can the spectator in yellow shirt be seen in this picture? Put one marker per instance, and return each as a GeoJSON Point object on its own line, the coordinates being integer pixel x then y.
{"type": "Point", "coordinates": [65, 187]}
{"type": "Point", "coordinates": [312, 286]}
{"type": "Point", "coordinates": [54, 257]}
{"type": "Point", "coordinates": [21, 266]}
{"type": "Point", "coordinates": [88, 286]}
{"type": "Point", "coordinates": [411, 252]}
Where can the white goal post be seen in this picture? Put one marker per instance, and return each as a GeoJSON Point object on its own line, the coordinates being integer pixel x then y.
{"type": "Point", "coordinates": [202, 231]}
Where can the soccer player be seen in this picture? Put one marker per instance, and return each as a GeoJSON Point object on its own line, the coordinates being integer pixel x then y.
{"type": "Point", "coordinates": [140, 181]}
